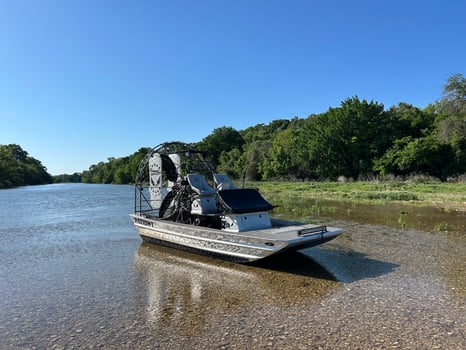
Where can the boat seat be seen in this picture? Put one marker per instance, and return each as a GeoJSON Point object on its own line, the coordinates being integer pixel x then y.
{"type": "Point", "coordinates": [205, 201]}
{"type": "Point", "coordinates": [243, 200]}
{"type": "Point", "coordinates": [199, 185]}
{"type": "Point", "coordinates": [223, 182]}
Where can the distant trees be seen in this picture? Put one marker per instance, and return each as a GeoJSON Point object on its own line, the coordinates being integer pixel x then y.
{"type": "Point", "coordinates": [360, 139]}
{"type": "Point", "coordinates": [434, 141]}
{"type": "Point", "coordinates": [345, 140]}
{"type": "Point", "coordinates": [451, 122]}
{"type": "Point", "coordinates": [17, 168]}
{"type": "Point", "coordinates": [115, 170]}
{"type": "Point", "coordinates": [222, 139]}
{"type": "Point", "coordinates": [288, 155]}
{"type": "Point", "coordinates": [453, 101]}
{"type": "Point", "coordinates": [75, 177]}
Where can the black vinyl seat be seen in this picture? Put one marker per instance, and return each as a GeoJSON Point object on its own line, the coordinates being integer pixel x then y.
{"type": "Point", "coordinates": [244, 200]}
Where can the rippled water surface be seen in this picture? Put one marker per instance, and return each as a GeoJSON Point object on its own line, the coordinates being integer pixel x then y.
{"type": "Point", "coordinates": [74, 274]}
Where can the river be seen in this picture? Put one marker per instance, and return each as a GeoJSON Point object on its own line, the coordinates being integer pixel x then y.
{"type": "Point", "coordinates": [75, 274]}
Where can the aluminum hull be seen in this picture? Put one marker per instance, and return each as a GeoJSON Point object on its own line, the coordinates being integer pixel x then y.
{"type": "Point", "coordinates": [239, 247]}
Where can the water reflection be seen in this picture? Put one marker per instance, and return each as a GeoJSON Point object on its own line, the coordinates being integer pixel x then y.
{"type": "Point", "coordinates": [185, 288]}
{"type": "Point", "coordinates": [432, 219]}
{"type": "Point", "coordinates": [177, 285]}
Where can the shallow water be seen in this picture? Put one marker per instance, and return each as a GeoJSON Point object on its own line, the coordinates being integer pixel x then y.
{"type": "Point", "coordinates": [427, 218]}
{"type": "Point", "coordinates": [74, 274]}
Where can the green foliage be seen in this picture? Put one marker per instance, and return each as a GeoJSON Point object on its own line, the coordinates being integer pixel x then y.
{"type": "Point", "coordinates": [255, 155]}
{"type": "Point", "coordinates": [17, 168]}
{"type": "Point", "coordinates": [453, 102]}
{"type": "Point", "coordinates": [422, 155]}
{"type": "Point", "coordinates": [64, 178]}
{"type": "Point", "coordinates": [346, 140]}
{"type": "Point", "coordinates": [222, 139]}
{"type": "Point", "coordinates": [407, 120]}
{"type": "Point", "coordinates": [115, 170]}
{"type": "Point", "coordinates": [289, 155]}
{"type": "Point", "coordinates": [386, 196]}
{"type": "Point", "coordinates": [365, 191]}
{"type": "Point", "coordinates": [262, 132]}
{"type": "Point", "coordinates": [231, 163]}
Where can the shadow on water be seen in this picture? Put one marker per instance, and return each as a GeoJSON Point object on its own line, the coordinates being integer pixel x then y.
{"type": "Point", "coordinates": [348, 266]}
{"type": "Point", "coordinates": [295, 263]}
{"type": "Point", "coordinates": [334, 265]}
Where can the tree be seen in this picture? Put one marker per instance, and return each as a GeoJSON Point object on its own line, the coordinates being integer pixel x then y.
{"type": "Point", "coordinates": [17, 168]}
{"type": "Point", "coordinates": [289, 154]}
{"type": "Point", "coordinates": [408, 120]}
{"type": "Point", "coordinates": [453, 101]}
{"type": "Point", "coordinates": [222, 139]}
{"type": "Point", "coordinates": [264, 132]}
{"type": "Point", "coordinates": [346, 140]}
{"type": "Point", "coordinates": [75, 177]}
{"type": "Point", "coordinates": [255, 155]}
{"type": "Point", "coordinates": [115, 170]}
{"type": "Point", "coordinates": [231, 163]}
{"type": "Point", "coordinates": [423, 155]}
{"type": "Point", "coordinates": [451, 131]}
{"type": "Point", "coordinates": [451, 120]}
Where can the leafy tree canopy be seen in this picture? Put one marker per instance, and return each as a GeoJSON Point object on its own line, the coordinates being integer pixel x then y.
{"type": "Point", "coordinates": [222, 139]}
{"type": "Point", "coordinates": [17, 168]}
{"type": "Point", "coordinates": [453, 101]}
{"type": "Point", "coordinates": [345, 140]}
{"type": "Point", "coordinates": [115, 170]}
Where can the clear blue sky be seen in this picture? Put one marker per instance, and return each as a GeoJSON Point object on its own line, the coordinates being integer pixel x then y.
{"type": "Point", "coordinates": [81, 81]}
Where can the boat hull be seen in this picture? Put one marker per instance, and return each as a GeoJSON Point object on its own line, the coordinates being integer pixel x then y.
{"type": "Point", "coordinates": [237, 247]}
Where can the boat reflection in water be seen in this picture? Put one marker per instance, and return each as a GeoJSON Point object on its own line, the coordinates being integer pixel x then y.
{"type": "Point", "coordinates": [183, 288]}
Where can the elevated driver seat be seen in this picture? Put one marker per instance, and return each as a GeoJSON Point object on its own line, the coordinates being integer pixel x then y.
{"type": "Point", "coordinates": [223, 182]}
{"type": "Point", "coordinates": [205, 199]}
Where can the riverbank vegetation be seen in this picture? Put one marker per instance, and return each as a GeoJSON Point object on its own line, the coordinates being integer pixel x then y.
{"type": "Point", "coordinates": [17, 168]}
{"type": "Point", "coordinates": [416, 191]}
{"type": "Point", "coordinates": [115, 170]}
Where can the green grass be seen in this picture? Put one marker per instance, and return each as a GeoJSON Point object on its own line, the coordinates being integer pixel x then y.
{"type": "Point", "coordinates": [451, 195]}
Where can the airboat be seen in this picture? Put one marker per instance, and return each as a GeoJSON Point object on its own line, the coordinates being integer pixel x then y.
{"type": "Point", "coordinates": [181, 202]}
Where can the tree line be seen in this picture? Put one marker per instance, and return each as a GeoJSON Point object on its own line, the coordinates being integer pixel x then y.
{"type": "Point", "coordinates": [359, 140]}
{"type": "Point", "coordinates": [115, 170]}
{"type": "Point", "coordinates": [17, 168]}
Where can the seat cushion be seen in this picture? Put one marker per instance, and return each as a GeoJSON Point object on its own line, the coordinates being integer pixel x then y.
{"type": "Point", "coordinates": [243, 200]}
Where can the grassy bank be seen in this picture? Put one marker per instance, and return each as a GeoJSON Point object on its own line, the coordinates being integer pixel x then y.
{"type": "Point", "coordinates": [450, 195]}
